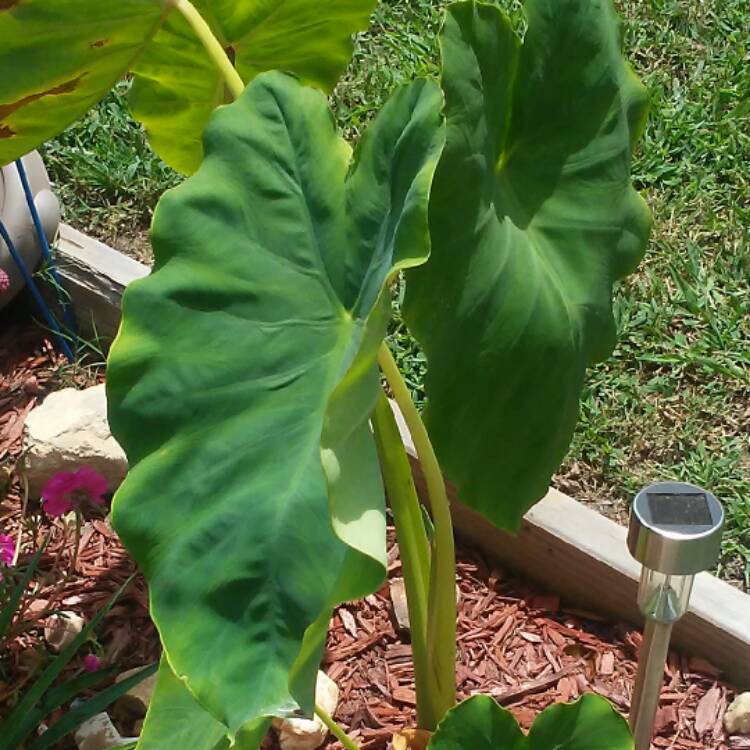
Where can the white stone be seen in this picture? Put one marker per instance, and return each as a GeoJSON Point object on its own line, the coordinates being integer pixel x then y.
{"type": "Point", "coordinates": [308, 734]}
{"type": "Point", "coordinates": [137, 699]}
{"type": "Point", "coordinates": [70, 430]}
{"type": "Point", "coordinates": [61, 629]}
{"type": "Point", "coordinates": [737, 717]}
{"type": "Point", "coordinates": [97, 733]}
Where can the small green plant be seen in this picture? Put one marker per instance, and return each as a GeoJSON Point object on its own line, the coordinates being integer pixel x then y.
{"type": "Point", "coordinates": [245, 383]}
{"type": "Point", "coordinates": [38, 701]}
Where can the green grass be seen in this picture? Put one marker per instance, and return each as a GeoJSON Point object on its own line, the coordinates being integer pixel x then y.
{"type": "Point", "coordinates": [674, 400]}
{"type": "Point", "coordinates": [107, 177]}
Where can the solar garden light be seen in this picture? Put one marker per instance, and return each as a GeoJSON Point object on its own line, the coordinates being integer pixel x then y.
{"type": "Point", "coordinates": [675, 532]}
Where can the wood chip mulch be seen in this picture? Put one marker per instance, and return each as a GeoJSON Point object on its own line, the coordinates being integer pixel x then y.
{"type": "Point", "coordinates": [30, 368]}
{"type": "Point", "coordinates": [28, 363]}
{"type": "Point", "coordinates": [524, 648]}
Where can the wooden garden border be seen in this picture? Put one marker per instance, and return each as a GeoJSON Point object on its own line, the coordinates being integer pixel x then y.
{"type": "Point", "coordinates": [563, 545]}
{"type": "Point", "coordinates": [95, 277]}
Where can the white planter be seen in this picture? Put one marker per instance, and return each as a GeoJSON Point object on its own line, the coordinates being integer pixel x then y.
{"type": "Point", "coordinates": [15, 215]}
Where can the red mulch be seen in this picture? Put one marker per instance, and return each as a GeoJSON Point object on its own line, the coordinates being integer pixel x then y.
{"type": "Point", "coordinates": [30, 368]}
{"type": "Point", "coordinates": [515, 643]}
{"type": "Point", "coordinates": [521, 646]}
{"type": "Point", "coordinates": [27, 366]}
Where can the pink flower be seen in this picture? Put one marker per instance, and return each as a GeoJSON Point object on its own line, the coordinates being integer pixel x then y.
{"type": "Point", "coordinates": [4, 281]}
{"type": "Point", "coordinates": [7, 550]}
{"type": "Point", "coordinates": [92, 663]}
{"type": "Point", "coordinates": [70, 490]}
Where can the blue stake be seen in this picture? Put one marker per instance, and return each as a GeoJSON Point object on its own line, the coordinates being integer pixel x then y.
{"type": "Point", "coordinates": [68, 316]}
{"type": "Point", "coordinates": [43, 307]}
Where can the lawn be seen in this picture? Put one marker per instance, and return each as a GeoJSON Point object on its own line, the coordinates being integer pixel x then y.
{"type": "Point", "coordinates": [674, 400]}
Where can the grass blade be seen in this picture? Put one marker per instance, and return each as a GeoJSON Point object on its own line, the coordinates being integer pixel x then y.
{"type": "Point", "coordinates": [57, 697]}
{"type": "Point", "coordinates": [15, 720]}
{"type": "Point", "coordinates": [7, 612]}
{"type": "Point", "coordinates": [73, 719]}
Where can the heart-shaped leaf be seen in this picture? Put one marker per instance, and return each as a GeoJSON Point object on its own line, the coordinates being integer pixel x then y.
{"type": "Point", "coordinates": [59, 58]}
{"type": "Point", "coordinates": [243, 377]}
{"type": "Point", "coordinates": [479, 723]}
{"type": "Point", "coordinates": [532, 217]}
{"type": "Point", "coordinates": [177, 87]}
{"type": "Point", "coordinates": [176, 721]}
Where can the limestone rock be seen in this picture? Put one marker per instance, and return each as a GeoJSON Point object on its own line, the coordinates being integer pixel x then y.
{"type": "Point", "coordinates": [737, 717]}
{"type": "Point", "coordinates": [61, 629]}
{"type": "Point", "coordinates": [98, 733]}
{"type": "Point", "coordinates": [136, 701]}
{"type": "Point", "coordinates": [70, 430]}
{"type": "Point", "coordinates": [308, 734]}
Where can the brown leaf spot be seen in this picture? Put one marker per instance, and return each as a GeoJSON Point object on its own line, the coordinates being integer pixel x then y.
{"type": "Point", "coordinates": [98, 44]}
{"type": "Point", "coordinates": [8, 4]}
{"type": "Point", "coordinates": [9, 109]}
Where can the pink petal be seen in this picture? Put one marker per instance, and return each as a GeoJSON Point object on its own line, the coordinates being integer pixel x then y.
{"type": "Point", "coordinates": [57, 506]}
{"type": "Point", "coordinates": [59, 489]}
{"type": "Point", "coordinates": [92, 482]}
{"type": "Point", "coordinates": [7, 549]}
{"type": "Point", "coordinates": [92, 663]}
{"type": "Point", "coordinates": [60, 485]}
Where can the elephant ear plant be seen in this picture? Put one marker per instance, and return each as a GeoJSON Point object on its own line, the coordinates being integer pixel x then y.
{"type": "Point", "coordinates": [242, 381]}
{"type": "Point", "coordinates": [245, 382]}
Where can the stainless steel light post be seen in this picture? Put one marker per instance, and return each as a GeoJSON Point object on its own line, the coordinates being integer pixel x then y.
{"type": "Point", "coordinates": [675, 532]}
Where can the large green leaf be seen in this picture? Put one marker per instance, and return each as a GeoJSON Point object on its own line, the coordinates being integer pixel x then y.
{"type": "Point", "coordinates": [176, 720]}
{"type": "Point", "coordinates": [243, 377]}
{"type": "Point", "coordinates": [532, 218]}
{"type": "Point", "coordinates": [177, 87]}
{"type": "Point", "coordinates": [479, 723]}
{"type": "Point", "coordinates": [59, 57]}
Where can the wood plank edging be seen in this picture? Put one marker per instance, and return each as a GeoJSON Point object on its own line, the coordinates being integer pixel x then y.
{"type": "Point", "coordinates": [95, 276]}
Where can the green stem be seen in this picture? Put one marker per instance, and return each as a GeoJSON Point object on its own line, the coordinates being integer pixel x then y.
{"type": "Point", "coordinates": [336, 730]}
{"type": "Point", "coordinates": [413, 545]}
{"type": "Point", "coordinates": [212, 46]}
{"type": "Point", "coordinates": [441, 609]}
